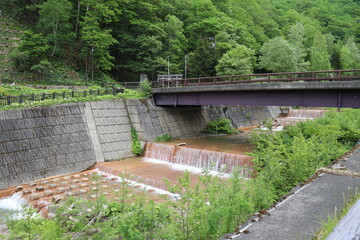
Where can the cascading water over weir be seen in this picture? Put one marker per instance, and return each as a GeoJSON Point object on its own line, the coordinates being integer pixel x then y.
{"type": "Point", "coordinates": [168, 161]}
{"type": "Point", "coordinates": [199, 158]}
{"type": "Point", "coordinates": [306, 113]}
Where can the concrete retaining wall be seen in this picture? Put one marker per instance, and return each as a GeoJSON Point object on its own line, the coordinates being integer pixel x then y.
{"type": "Point", "coordinates": [242, 116]}
{"type": "Point", "coordinates": [181, 122]}
{"type": "Point", "coordinates": [113, 128]}
{"type": "Point", "coordinates": [42, 142]}
{"type": "Point", "coordinates": [151, 121]}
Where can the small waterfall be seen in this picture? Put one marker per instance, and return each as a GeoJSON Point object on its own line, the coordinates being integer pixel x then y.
{"type": "Point", "coordinates": [158, 151]}
{"type": "Point", "coordinates": [305, 113]}
{"type": "Point", "coordinates": [203, 159]}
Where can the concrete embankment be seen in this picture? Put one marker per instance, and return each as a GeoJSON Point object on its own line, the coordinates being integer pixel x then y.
{"type": "Point", "coordinates": [42, 142]}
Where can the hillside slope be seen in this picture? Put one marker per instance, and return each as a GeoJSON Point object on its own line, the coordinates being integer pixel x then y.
{"type": "Point", "coordinates": [10, 34]}
{"type": "Point", "coordinates": [124, 38]}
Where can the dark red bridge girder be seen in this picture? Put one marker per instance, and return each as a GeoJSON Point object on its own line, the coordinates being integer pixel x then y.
{"type": "Point", "coordinates": [347, 98]}
{"type": "Point", "coordinates": [335, 88]}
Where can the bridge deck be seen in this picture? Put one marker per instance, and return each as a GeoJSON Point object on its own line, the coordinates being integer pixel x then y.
{"type": "Point", "coordinates": [336, 88]}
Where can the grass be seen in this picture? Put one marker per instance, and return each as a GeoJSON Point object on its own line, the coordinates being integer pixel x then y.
{"type": "Point", "coordinates": [332, 221]}
{"type": "Point", "coordinates": [7, 90]}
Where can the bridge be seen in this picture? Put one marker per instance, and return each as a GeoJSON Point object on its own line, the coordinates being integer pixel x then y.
{"type": "Point", "coordinates": [336, 88]}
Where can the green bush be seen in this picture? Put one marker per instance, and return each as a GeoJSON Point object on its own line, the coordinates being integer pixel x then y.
{"type": "Point", "coordinates": [34, 227]}
{"type": "Point", "coordinates": [164, 138]}
{"type": "Point", "coordinates": [135, 146]}
{"type": "Point", "coordinates": [287, 158]}
{"type": "Point", "coordinates": [145, 87]}
{"type": "Point", "coordinates": [268, 123]}
{"type": "Point", "coordinates": [220, 125]}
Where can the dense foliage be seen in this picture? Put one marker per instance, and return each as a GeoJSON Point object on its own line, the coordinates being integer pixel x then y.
{"type": "Point", "coordinates": [164, 138]}
{"type": "Point", "coordinates": [124, 38]}
{"type": "Point", "coordinates": [286, 158]}
{"type": "Point", "coordinates": [212, 206]}
{"type": "Point", "coordinates": [135, 146]}
{"type": "Point", "coordinates": [220, 125]}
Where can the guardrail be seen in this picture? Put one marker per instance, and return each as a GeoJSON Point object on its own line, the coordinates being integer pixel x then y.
{"type": "Point", "coordinates": [7, 100]}
{"type": "Point", "coordinates": [314, 76]}
{"type": "Point", "coordinates": [116, 87]}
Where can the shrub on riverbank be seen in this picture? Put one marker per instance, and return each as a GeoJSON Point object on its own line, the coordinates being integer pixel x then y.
{"type": "Point", "coordinates": [220, 125]}
{"type": "Point", "coordinates": [287, 158]}
{"type": "Point", "coordinates": [164, 138]}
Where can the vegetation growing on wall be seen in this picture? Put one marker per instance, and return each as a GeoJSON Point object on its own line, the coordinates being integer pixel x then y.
{"type": "Point", "coordinates": [213, 206]}
{"type": "Point", "coordinates": [126, 38]}
{"type": "Point", "coordinates": [135, 146]}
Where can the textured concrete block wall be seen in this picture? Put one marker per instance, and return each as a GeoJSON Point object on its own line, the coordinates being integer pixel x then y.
{"type": "Point", "coordinates": [242, 116]}
{"type": "Point", "coordinates": [181, 122]}
{"type": "Point", "coordinates": [42, 142]}
{"type": "Point", "coordinates": [151, 121]}
{"type": "Point", "coordinates": [113, 128]}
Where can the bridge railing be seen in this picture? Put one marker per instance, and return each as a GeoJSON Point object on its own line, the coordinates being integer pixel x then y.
{"type": "Point", "coordinates": [314, 76]}
{"type": "Point", "coordinates": [333, 75]}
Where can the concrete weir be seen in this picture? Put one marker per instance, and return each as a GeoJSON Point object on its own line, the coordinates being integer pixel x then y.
{"type": "Point", "coordinates": [42, 142]}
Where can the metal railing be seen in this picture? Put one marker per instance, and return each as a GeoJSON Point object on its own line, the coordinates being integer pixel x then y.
{"type": "Point", "coordinates": [116, 87]}
{"type": "Point", "coordinates": [314, 76]}
{"type": "Point", "coordinates": [7, 100]}
{"type": "Point", "coordinates": [122, 85]}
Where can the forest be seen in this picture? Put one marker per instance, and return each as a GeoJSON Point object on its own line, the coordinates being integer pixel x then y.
{"type": "Point", "coordinates": [121, 39]}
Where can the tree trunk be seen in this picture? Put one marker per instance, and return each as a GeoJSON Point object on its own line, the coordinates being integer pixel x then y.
{"type": "Point", "coordinates": [77, 17]}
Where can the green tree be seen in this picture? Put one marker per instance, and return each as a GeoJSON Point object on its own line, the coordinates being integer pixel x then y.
{"type": "Point", "coordinates": [174, 42]}
{"type": "Point", "coordinates": [203, 60]}
{"type": "Point", "coordinates": [32, 49]}
{"type": "Point", "coordinates": [54, 16]}
{"type": "Point", "coordinates": [296, 40]}
{"type": "Point", "coordinates": [96, 37]}
{"type": "Point", "coordinates": [238, 61]}
{"type": "Point", "coordinates": [334, 48]}
{"type": "Point", "coordinates": [350, 55]}
{"type": "Point", "coordinates": [278, 56]}
{"type": "Point", "coordinates": [319, 56]}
